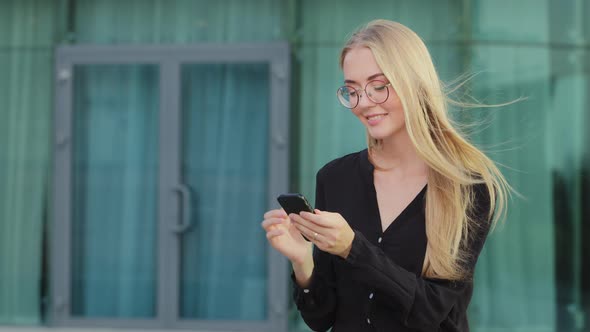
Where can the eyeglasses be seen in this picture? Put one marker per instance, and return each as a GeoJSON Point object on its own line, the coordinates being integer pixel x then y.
{"type": "Point", "coordinates": [377, 91]}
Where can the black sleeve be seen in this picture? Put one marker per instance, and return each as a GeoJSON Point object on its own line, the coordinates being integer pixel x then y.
{"type": "Point", "coordinates": [317, 303]}
{"type": "Point", "coordinates": [425, 304]}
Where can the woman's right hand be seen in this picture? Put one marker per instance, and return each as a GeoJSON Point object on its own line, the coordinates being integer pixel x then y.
{"type": "Point", "coordinates": [285, 238]}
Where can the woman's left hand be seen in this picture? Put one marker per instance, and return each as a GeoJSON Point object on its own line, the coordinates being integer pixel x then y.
{"type": "Point", "coordinates": [327, 230]}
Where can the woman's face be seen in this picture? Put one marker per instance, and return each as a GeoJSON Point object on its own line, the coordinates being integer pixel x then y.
{"type": "Point", "coordinates": [383, 121]}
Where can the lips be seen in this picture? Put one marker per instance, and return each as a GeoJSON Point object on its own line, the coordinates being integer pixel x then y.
{"type": "Point", "coordinates": [374, 119]}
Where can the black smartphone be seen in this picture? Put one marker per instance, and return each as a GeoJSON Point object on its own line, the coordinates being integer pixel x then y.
{"type": "Point", "coordinates": [294, 203]}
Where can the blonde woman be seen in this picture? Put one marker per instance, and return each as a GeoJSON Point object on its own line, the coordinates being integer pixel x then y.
{"type": "Point", "coordinates": [398, 226]}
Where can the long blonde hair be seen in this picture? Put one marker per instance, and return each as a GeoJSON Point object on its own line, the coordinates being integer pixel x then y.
{"type": "Point", "coordinates": [455, 164]}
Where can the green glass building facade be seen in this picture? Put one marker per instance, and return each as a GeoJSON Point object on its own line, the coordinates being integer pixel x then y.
{"type": "Point", "coordinates": [105, 103]}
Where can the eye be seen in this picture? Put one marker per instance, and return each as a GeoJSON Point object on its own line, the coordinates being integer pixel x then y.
{"type": "Point", "coordinates": [380, 87]}
{"type": "Point", "coordinates": [349, 91]}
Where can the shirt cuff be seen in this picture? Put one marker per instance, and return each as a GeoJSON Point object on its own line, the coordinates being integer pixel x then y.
{"type": "Point", "coordinates": [356, 248]}
{"type": "Point", "coordinates": [304, 297]}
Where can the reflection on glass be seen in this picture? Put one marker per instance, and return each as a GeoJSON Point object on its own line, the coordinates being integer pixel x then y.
{"type": "Point", "coordinates": [114, 194]}
{"type": "Point", "coordinates": [225, 142]}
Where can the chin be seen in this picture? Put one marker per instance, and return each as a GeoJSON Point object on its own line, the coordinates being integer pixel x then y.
{"type": "Point", "coordinates": [383, 134]}
{"type": "Point", "coordinates": [380, 133]}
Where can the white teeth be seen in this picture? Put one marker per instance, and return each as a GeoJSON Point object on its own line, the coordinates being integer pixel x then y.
{"type": "Point", "coordinates": [377, 116]}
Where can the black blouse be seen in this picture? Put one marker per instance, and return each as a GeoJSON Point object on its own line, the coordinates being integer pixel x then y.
{"type": "Point", "coordinates": [379, 287]}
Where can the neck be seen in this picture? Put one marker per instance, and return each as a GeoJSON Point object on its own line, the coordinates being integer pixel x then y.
{"type": "Point", "coordinates": [397, 154]}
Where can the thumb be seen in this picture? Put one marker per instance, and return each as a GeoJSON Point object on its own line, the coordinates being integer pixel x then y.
{"type": "Point", "coordinates": [318, 211]}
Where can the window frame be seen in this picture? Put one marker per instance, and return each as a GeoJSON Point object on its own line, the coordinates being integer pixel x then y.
{"type": "Point", "coordinates": [169, 59]}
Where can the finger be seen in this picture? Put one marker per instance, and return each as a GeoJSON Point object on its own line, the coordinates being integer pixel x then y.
{"type": "Point", "coordinates": [271, 222]}
{"type": "Point", "coordinates": [318, 219]}
{"type": "Point", "coordinates": [313, 221]}
{"type": "Point", "coordinates": [311, 235]}
{"type": "Point", "coordinates": [274, 233]}
{"type": "Point", "coordinates": [277, 213]}
{"type": "Point", "coordinates": [297, 219]}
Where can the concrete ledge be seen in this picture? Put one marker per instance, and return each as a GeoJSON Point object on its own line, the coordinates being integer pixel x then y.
{"type": "Point", "coordinates": [85, 329]}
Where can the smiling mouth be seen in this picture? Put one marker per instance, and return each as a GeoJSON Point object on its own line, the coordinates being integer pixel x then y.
{"type": "Point", "coordinates": [375, 117]}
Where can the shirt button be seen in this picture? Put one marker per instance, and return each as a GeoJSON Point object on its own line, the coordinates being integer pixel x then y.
{"type": "Point", "coordinates": [380, 239]}
{"type": "Point", "coordinates": [368, 321]}
{"type": "Point", "coordinates": [371, 296]}
{"type": "Point", "coordinates": [306, 291]}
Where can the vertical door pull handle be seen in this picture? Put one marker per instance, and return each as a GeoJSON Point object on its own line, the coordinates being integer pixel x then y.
{"type": "Point", "coordinates": [186, 198]}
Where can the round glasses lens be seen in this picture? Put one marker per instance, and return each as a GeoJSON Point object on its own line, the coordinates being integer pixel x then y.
{"type": "Point", "coordinates": [377, 91]}
{"type": "Point", "coordinates": [347, 96]}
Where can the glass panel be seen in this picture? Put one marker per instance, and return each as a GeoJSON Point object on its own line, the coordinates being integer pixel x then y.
{"type": "Point", "coordinates": [225, 151]}
{"type": "Point", "coordinates": [181, 22]}
{"type": "Point", "coordinates": [26, 94]}
{"type": "Point", "coordinates": [570, 152]}
{"type": "Point", "coordinates": [506, 292]}
{"type": "Point", "coordinates": [114, 197]}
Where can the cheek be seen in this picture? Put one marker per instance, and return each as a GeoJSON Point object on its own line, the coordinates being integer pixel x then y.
{"type": "Point", "coordinates": [394, 102]}
{"type": "Point", "coordinates": [398, 118]}
{"type": "Point", "coordinates": [357, 112]}
{"type": "Point", "coordinates": [394, 106]}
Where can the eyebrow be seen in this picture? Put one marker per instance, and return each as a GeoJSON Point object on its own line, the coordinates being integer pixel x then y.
{"type": "Point", "coordinates": [368, 78]}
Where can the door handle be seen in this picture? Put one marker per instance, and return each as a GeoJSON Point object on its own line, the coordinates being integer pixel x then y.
{"type": "Point", "coordinates": [186, 198]}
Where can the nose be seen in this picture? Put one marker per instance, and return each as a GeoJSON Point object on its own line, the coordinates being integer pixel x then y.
{"type": "Point", "coordinates": [364, 100]}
